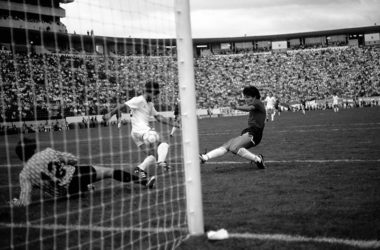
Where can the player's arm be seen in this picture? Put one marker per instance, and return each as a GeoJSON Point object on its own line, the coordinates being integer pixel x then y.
{"type": "Point", "coordinates": [160, 118]}
{"type": "Point", "coordinates": [119, 108]}
{"type": "Point", "coordinates": [245, 108]}
{"type": "Point", "coordinates": [68, 158]}
{"type": "Point", "coordinates": [265, 100]}
{"type": "Point", "coordinates": [25, 194]}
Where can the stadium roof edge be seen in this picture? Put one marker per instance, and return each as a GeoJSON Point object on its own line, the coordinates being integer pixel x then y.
{"type": "Point", "coordinates": [21, 36]}
{"type": "Point", "coordinates": [277, 37]}
{"type": "Point", "coordinates": [365, 29]}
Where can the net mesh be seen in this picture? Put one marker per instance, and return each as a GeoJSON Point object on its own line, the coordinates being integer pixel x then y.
{"type": "Point", "coordinates": [60, 75]}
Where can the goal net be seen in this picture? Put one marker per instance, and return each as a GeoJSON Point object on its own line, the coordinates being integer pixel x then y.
{"type": "Point", "coordinates": [65, 65]}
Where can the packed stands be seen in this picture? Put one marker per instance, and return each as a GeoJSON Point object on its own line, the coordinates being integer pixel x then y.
{"type": "Point", "coordinates": [52, 86]}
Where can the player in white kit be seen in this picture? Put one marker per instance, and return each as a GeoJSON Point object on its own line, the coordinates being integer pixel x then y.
{"type": "Point", "coordinates": [270, 102]}
{"type": "Point", "coordinates": [145, 137]}
{"type": "Point", "coordinates": [335, 98]}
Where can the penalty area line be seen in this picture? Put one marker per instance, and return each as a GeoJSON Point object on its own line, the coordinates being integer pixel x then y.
{"type": "Point", "coordinates": [294, 161]}
{"type": "Point", "coordinates": [297, 238]}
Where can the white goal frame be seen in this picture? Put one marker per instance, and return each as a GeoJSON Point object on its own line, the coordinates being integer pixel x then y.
{"type": "Point", "coordinates": [190, 140]}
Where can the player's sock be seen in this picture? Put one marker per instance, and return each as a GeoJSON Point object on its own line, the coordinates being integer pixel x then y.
{"type": "Point", "coordinates": [243, 152]}
{"type": "Point", "coordinates": [148, 161]}
{"type": "Point", "coordinates": [162, 152]}
{"type": "Point", "coordinates": [215, 153]}
{"type": "Point", "coordinates": [123, 176]}
{"type": "Point", "coordinates": [173, 130]}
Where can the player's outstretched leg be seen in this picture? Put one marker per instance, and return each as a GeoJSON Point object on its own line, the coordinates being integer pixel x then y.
{"type": "Point", "coordinates": [150, 160]}
{"type": "Point", "coordinates": [212, 154]}
{"type": "Point", "coordinates": [123, 176]}
{"type": "Point", "coordinates": [173, 131]}
{"type": "Point", "coordinates": [162, 152]}
{"type": "Point", "coordinates": [257, 159]}
{"type": "Point", "coordinates": [261, 164]}
{"type": "Point", "coordinates": [202, 159]}
{"type": "Point", "coordinates": [148, 181]}
{"type": "Point", "coordinates": [145, 180]}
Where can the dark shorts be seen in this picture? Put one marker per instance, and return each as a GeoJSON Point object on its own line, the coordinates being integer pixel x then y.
{"type": "Point", "coordinates": [256, 134]}
{"type": "Point", "coordinates": [83, 176]}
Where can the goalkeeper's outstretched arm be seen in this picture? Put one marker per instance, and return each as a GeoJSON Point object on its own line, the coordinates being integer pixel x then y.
{"type": "Point", "coordinates": [25, 194]}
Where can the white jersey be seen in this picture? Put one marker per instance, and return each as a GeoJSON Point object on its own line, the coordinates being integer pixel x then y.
{"type": "Point", "coordinates": [270, 102]}
{"type": "Point", "coordinates": [141, 111]}
{"type": "Point", "coordinates": [335, 99]}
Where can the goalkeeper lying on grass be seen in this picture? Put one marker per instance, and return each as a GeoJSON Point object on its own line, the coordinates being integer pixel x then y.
{"type": "Point", "coordinates": [58, 173]}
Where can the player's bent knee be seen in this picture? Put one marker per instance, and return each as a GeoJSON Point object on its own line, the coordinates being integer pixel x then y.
{"type": "Point", "coordinates": [235, 144]}
{"type": "Point", "coordinates": [234, 149]}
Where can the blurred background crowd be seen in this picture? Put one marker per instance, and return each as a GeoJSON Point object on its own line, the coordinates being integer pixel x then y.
{"type": "Point", "coordinates": [52, 86]}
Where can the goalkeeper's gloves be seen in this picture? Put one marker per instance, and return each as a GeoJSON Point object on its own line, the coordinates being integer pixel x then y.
{"type": "Point", "coordinates": [16, 203]}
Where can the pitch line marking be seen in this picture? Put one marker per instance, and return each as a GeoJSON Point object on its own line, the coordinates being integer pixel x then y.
{"type": "Point", "coordinates": [252, 236]}
{"type": "Point", "coordinates": [295, 161]}
{"type": "Point", "coordinates": [298, 238]}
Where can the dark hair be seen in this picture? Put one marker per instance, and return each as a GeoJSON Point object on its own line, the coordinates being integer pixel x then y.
{"type": "Point", "coordinates": [152, 87]}
{"type": "Point", "coordinates": [252, 92]}
{"type": "Point", "coordinates": [25, 148]}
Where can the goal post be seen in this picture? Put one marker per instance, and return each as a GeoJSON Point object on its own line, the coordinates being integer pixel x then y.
{"type": "Point", "coordinates": [189, 118]}
{"type": "Point", "coordinates": [66, 65]}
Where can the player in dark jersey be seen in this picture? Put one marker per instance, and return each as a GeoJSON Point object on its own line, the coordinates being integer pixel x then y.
{"type": "Point", "coordinates": [177, 118]}
{"type": "Point", "coordinates": [303, 105]}
{"type": "Point", "coordinates": [249, 137]}
{"type": "Point", "coordinates": [277, 107]}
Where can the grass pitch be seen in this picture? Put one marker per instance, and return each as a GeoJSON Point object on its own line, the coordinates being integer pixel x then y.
{"type": "Point", "coordinates": [321, 189]}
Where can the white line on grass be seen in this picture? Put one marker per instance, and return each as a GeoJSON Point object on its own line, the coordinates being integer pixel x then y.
{"type": "Point", "coordinates": [297, 238]}
{"type": "Point", "coordinates": [252, 236]}
{"type": "Point", "coordinates": [295, 161]}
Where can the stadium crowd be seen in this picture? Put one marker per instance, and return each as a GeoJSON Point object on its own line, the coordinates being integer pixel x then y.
{"type": "Point", "coordinates": [55, 86]}
{"type": "Point", "coordinates": [299, 74]}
